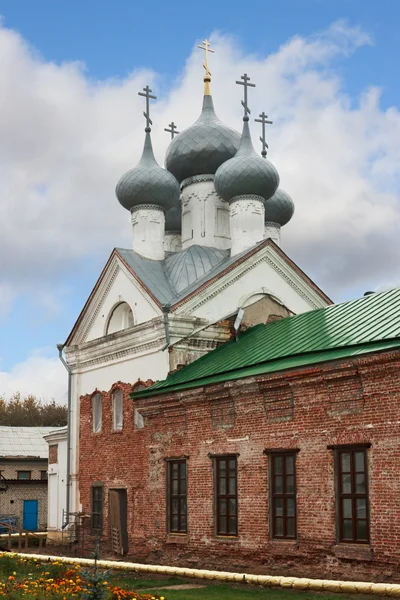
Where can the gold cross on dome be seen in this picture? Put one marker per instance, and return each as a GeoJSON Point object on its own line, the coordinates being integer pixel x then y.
{"type": "Point", "coordinates": [207, 49]}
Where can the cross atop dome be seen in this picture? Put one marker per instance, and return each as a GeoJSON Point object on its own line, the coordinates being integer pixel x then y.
{"type": "Point", "coordinates": [207, 77]}
{"type": "Point", "coordinates": [147, 94]}
{"type": "Point", "coordinates": [245, 83]}
{"type": "Point", "coordinates": [264, 121]}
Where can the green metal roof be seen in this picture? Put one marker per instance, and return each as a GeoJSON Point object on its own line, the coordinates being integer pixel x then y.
{"type": "Point", "coordinates": [368, 324]}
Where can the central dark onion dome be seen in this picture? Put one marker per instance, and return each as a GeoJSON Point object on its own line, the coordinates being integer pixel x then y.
{"type": "Point", "coordinates": [203, 147]}
{"type": "Point", "coordinates": [246, 174]}
{"type": "Point", "coordinates": [148, 183]}
{"type": "Point", "coordinates": [173, 219]}
{"type": "Point", "coordinates": [279, 209]}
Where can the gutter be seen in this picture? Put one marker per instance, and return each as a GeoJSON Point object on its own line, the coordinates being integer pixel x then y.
{"type": "Point", "coordinates": [166, 327]}
{"type": "Point", "coordinates": [60, 348]}
{"type": "Point", "coordinates": [297, 583]}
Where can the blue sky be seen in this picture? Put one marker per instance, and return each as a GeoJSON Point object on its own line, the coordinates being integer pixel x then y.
{"type": "Point", "coordinates": [118, 44]}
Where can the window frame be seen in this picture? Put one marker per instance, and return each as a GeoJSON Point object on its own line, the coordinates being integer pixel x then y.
{"type": "Point", "coordinates": [97, 397]}
{"type": "Point", "coordinates": [24, 478]}
{"type": "Point", "coordinates": [218, 496]}
{"type": "Point", "coordinates": [43, 475]}
{"type": "Point", "coordinates": [96, 517]}
{"type": "Point", "coordinates": [113, 409]}
{"type": "Point", "coordinates": [353, 495]}
{"type": "Point", "coordinates": [178, 496]}
{"type": "Point", "coordinates": [284, 495]}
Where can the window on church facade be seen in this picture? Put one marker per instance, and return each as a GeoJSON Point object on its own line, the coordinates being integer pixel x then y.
{"type": "Point", "coordinates": [352, 494]}
{"type": "Point", "coordinates": [283, 494]}
{"type": "Point", "coordinates": [97, 506]}
{"type": "Point", "coordinates": [121, 318]}
{"type": "Point", "coordinates": [97, 409]}
{"type": "Point", "coordinates": [226, 496]}
{"type": "Point", "coordinates": [117, 409]}
{"type": "Point", "coordinates": [177, 496]}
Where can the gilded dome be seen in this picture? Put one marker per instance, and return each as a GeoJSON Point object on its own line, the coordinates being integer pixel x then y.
{"type": "Point", "coordinates": [148, 183]}
{"type": "Point", "coordinates": [246, 174]}
{"type": "Point", "coordinates": [279, 209]}
{"type": "Point", "coordinates": [203, 147]}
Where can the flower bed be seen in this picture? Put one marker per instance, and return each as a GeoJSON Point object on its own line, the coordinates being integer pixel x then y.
{"type": "Point", "coordinates": [29, 578]}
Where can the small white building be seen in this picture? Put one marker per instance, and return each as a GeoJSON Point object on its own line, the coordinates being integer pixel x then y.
{"type": "Point", "coordinates": [57, 483]}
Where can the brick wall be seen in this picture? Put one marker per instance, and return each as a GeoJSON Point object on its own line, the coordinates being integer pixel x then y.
{"type": "Point", "coordinates": [53, 454]}
{"type": "Point", "coordinates": [9, 469]}
{"type": "Point", "coordinates": [310, 410]}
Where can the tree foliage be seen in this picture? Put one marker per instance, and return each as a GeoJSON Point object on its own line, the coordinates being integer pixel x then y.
{"type": "Point", "coordinates": [30, 412]}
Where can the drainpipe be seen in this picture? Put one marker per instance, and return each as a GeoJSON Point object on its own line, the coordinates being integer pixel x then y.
{"type": "Point", "coordinates": [166, 327]}
{"type": "Point", "coordinates": [60, 348]}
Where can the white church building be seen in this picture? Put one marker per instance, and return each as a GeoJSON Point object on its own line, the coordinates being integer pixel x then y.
{"type": "Point", "coordinates": [206, 242]}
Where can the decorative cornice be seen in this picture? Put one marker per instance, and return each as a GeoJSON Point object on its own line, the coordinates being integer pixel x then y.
{"type": "Point", "coordinates": [147, 207]}
{"type": "Point", "coordinates": [248, 197]}
{"type": "Point", "coordinates": [196, 179]}
{"type": "Point", "coordinates": [272, 224]}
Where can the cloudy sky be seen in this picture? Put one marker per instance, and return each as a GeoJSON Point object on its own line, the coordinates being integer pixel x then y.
{"type": "Point", "coordinates": [71, 123]}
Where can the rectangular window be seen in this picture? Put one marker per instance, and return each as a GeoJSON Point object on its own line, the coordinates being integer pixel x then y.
{"type": "Point", "coordinates": [177, 496]}
{"type": "Point", "coordinates": [96, 413]}
{"type": "Point", "coordinates": [283, 495]}
{"type": "Point", "coordinates": [352, 488]}
{"type": "Point", "coordinates": [97, 507]}
{"type": "Point", "coordinates": [43, 474]}
{"type": "Point", "coordinates": [117, 408]}
{"type": "Point", "coordinates": [226, 500]}
{"type": "Point", "coordinates": [24, 474]}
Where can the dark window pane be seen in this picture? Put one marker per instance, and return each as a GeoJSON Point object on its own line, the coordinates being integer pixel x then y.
{"type": "Point", "coordinates": [174, 486]}
{"type": "Point", "coordinates": [183, 486]}
{"type": "Point", "coordinates": [222, 468]}
{"type": "Point", "coordinates": [347, 529]}
{"type": "Point", "coordinates": [279, 527]}
{"type": "Point", "coordinates": [226, 496]}
{"type": "Point", "coordinates": [232, 506]}
{"type": "Point", "coordinates": [222, 507]}
{"type": "Point", "coordinates": [183, 523]}
{"type": "Point", "coordinates": [174, 523]}
{"type": "Point", "coordinates": [346, 483]}
{"type": "Point", "coordinates": [222, 485]}
{"type": "Point", "coordinates": [232, 526]}
{"type": "Point", "coordinates": [278, 463]}
{"type": "Point", "coordinates": [182, 506]}
{"type": "Point", "coordinates": [361, 508]}
{"type": "Point", "coordinates": [345, 462]}
{"type": "Point", "coordinates": [362, 531]}
{"type": "Point", "coordinates": [279, 507]}
{"type": "Point", "coordinates": [359, 460]}
{"type": "Point", "coordinates": [278, 484]}
{"type": "Point", "coordinates": [175, 468]}
{"type": "Point", "coordinates": [222, 524]}
{"type": "Point", "coordinates": [347, 508]}
{"type": "Point", "coordinates": [290, 527]}
{"type": "Point", "coordinates": [290, 507]}
{"type": "Point", "coordinates": [290, 484]}
{"type": "Point", "coordinates": [232, 485]}
{"type": "Point", "coordinates": [174, 506]}
{"type": "Point", "coordinates": [289, 465]}
{"type": "Point", "coordinates": [182, 469]}
{"type": "Point", "coordinates": [360, 483]}
{"type": "Point", "coordinates": [232, 468]}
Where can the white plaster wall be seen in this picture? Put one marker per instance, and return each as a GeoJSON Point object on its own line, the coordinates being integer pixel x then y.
{"type": "Point", "coordinates": [124, 289]}
{"type": "Point", "coordinates": [205, 217]}
{"type": "Point", "coordinates": [57, 486]}
{"type": "Point", "coordinates": [227, 300]}
{"type": "Point", "coordinates": [273, 231]}
{"type": "Point", "coordinates": [148, 228]}
{"type": "Point", "coordinates": [246, 218]}
{"type": "Point", "coordinates": [172, 242]}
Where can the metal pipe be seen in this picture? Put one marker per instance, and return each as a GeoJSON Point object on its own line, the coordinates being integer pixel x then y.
{"type": "Point", "coordinates": [299, 583]}
{"type": "Point", "coordinates": [60, 348]}
{"type": "Point", "coordinates": [166, 327]}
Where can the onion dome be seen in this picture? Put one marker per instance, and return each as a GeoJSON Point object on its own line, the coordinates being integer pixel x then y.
{"type": "Point", "coordinates": [279, 209]}
{"type": "Point", "coordinates": [246, 174]}
{"type": "Point", "coordinates": [173, 219]}
{"type": "Point", "coordinates": [148, 183]}
{"type": "Point", "coordinates": [203, 147]}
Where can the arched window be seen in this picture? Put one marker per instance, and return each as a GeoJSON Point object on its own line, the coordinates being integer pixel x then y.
{"type": "Point", "coordinates": [120, 318]}
{"type": "Point", "coordinates": [96, 412]}
{"type": "Point", "coordinates": [117, 410]}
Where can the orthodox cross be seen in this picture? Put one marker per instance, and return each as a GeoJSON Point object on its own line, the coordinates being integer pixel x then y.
{"type": "Point", "coordinates": [263, 120]}
{"type": "Point", "coordinates": [173, 131]}
{"type": "Point", "coordinates": [246, 84]}
{"type": "Point", "coordinates": [207, 49]}
{"type": "Point", "coordinates": [147, 94]}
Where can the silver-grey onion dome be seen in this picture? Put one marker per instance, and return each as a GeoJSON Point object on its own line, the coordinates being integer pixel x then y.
{"type": "Point", "coordinates": [280, 208]}
{"type": "Point", "coordinates": [148, 183]}
{"type": "Point", "coordinates": [246, 174]}
{"type": "Point", "coordinates": [173, 219]}
{"type": "Point", "coordinates": [203, 147]}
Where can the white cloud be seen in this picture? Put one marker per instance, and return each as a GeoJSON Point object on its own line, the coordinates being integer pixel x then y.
{"type": "Point", "coordinates": [65, 141]}
{"type": "Point", "coordinates": [42, 377]}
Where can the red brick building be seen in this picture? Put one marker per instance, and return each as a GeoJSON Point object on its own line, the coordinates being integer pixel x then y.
{"type": "Point", "coordinates": [277, 452]}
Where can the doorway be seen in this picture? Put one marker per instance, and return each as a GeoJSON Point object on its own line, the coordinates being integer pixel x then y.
{"type": "Point", "coordinates": [118, 518]}
{"type": "Point", "coordinates": [30, 515]}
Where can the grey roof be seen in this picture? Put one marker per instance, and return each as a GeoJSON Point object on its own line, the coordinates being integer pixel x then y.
{"type": "Point", "coordinates": [280, 208]}
{"type": "Point", "coordinates": [179, 273]}
{"type": "Point", "coordinates": [24, 441]}
{"type": "Point", "coordinates": [148, 183]}
{"type": "Point", "coordinates": [203, 147]}
{"type": "Point", "coordinates": [246, 173]}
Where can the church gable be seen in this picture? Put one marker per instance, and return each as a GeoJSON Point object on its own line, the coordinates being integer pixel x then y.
{"type": "Point", "coordinates": [118, 301]}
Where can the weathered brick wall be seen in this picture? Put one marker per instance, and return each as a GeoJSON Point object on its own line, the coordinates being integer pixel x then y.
{"type": "Point", "coordinates": [306, 409]}
{"type": "Point", "coordinates": [9, 469]}
{"type": "Point", "coordinates": [53, 453]}
{"type": "Point", "coordinates": [12, 501]}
